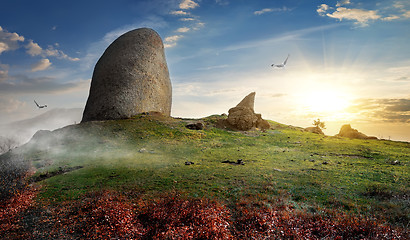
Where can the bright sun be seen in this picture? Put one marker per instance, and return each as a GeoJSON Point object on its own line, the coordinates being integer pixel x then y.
{"type": "Point", "coordinates": [325, 101]}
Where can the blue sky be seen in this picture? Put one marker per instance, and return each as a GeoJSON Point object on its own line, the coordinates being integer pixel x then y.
{"type": "Point", "coordinates": [349, 60]}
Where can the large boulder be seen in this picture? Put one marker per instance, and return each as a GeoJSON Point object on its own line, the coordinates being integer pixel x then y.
{"type": "Point", "coordinates": [349, 132]}
{"type": "Point", "coordinates": [131, 77]}
{"type": "Point", "coordinates": [242, 117]}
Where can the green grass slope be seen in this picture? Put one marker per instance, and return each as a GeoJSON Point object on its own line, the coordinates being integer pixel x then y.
{"type": "Point", "coordinates": [146, 157]}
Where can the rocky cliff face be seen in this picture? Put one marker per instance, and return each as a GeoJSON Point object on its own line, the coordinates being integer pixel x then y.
{"type": "Point", "coordinates": [131, 77]}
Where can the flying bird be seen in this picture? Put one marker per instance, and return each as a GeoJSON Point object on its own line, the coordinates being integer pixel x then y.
{"type": "Point", "coordinates": [40, 106]}
{"type": "Point", "coordinates": [281, 65]}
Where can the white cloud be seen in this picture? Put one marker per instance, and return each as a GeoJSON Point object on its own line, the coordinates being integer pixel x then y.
{"type": "Point", "coordinates": [16, 37]}
{"type": "Point", "coordinates": [3, 47]}
{"type": "Point", "coordinates": [11, 36]}
{"type": "Point", "coordinates": [9, 41]}
{"type": "Point", "coordinates": [188, 4]}
{"type": "Point", "coordinates": [390, 18]}
{"type": "Point", "coordinates": [344, 2]}
{"type": "Point", "coordinates": [170, 45]}
{"type": "Point", "coordinates": [4, 72]}
{"type": "Point", "coordinates": [171, 41]}
{"type": "Point", "coordinates": [402, 11]}
{"type": "Point", "coordinates": [265, 10]}
{"type": "Point", "coordinates": [322, 9]}
{"type": "Point", "coordinates": [361, 16]}
{"type": "Point", "coordinates": [33, 49]}
{"type": "Point", "coordinates": [51, 52]}
{"type": "Point", "coordinates": [179, 12]}
{"type": "Point", "coordinates": [184, 5]}
{"type": "Point", "coordinates": [173, 38]}
{"type": "Point", "coordinates": [183, 29]}
{"type": "Point", "coordinates": [198, 26]}
{"type": "Point", "coordinates": [399, 5]}
{"type": "Point", "coordinates": [187, 19]}
{"type": "Point", "coordinates": [403, 7]}
{"type": "Point", "coordinates": [43, 64]}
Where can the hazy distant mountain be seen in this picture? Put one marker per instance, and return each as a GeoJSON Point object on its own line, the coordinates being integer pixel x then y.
{"type": "Point", "coordinates": [22, 131]}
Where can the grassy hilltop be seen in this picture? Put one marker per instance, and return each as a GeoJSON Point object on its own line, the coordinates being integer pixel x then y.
{"type": "Point", "coordinates": [151, 177]}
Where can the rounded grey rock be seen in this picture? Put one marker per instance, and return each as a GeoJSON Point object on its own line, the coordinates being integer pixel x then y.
{"type": "Point", "coordinates": [130, 78]}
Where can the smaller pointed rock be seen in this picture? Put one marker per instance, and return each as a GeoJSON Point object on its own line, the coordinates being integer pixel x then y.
{"type": "Point", "coordinates": [243, 117]}
{"type": "Point", "coordinates": [248, 101]}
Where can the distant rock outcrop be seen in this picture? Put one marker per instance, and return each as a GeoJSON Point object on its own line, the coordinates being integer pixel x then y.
{"type": "Point", "coordinates": [316, 130]}
{"type": "Point", "coordinates": [349, 132]}
{"type": "Point", "coordinates": [242, 117]}
{"type": "Point", "coordinates": [131, 77]}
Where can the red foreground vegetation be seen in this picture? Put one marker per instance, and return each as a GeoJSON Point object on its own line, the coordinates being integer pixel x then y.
{"type": "Point", "coordinates": [110, 215]}
{"type": "Point", "coordinates": [11, 209]}
{"type": "Point", "coordinates": [284, 223]}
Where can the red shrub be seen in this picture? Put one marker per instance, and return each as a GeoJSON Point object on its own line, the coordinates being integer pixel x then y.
{"type": "Point", "coordinates": [256, 222]}
{"type": "Point", "coordinates": [11, 209]}
{"type": "Point", "coordinates": [176, 218]}
{"type": "Point", "coordinates": [103, 215]}
{"type": "Point", "coordinates": [109, 215]}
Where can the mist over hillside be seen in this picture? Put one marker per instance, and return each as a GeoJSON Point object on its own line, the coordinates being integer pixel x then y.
{"type": "Point", "coordinates": [19, 132]}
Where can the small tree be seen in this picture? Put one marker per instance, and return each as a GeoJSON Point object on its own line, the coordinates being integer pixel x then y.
{"type": "Point", "coordinates": [317, 123]}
